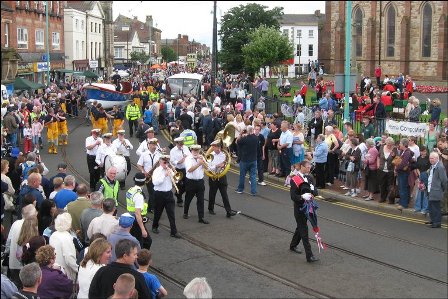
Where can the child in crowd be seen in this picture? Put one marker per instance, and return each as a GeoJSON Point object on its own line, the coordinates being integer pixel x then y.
{"type": "Point", "coordinates": [27, 134]}
{"type": "Point", "coordinates": [36, 131]}
{"type": "Point", "coordinates": [144, 260]}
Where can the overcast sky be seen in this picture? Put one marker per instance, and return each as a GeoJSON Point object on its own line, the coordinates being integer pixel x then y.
{"type": "Point", "coordinates": [195, 18]}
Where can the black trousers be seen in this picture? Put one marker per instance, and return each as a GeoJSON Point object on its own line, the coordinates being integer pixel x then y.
{"type": "Point", "coordinates": [150, 188]}
{"type": "Point", "coordinates": [181, 185]}
{"type": "Point", "coordinates": [435, 212]}
{"type": "Point", "coordinates": [260, 169]}
{"type": "Point", "coordinates": [132, 124]}
{"type": "Point", "coordinates": [301, 232]}
{"type": "Point", "coordinates": [320, 175]}
{"type": "Point", "coordinates": [164, 200]}
{"type": "Point", "coordinates": [137, 233]}
{"type": "Point", "coordinates": [386, 179]}
{"type": "Point", "coordinates": [332, 165]}
{"type": "Point", "coordinates": [94, 171]}
{"type": "Point", "coordinates": [285, 161]}
{"type": "Point", "coordinates": [194, 188]}
{"type": "Point", "coordinates": [214, 185]}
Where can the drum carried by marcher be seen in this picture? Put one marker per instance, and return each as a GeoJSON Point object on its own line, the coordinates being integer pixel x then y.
{"type": "Point", "coordinates": [119, 162]}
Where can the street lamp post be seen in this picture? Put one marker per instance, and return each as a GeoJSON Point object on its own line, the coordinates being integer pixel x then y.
{"type": "Point", "coordinates": [47, 43]}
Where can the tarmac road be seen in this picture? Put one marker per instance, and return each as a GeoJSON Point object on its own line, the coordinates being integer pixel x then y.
{"type": "Point", "coordinates": [369, 254]}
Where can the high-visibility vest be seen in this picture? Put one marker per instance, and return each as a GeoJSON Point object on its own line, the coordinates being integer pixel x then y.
{"type": "Point", "coordinates": [110, 192]}
{"type": "Point", "coordinates": [189, 140]}
{"type": "Point", "coordinates": [132, 112]}
{"type": "Point", "coordinates": [130, 204]}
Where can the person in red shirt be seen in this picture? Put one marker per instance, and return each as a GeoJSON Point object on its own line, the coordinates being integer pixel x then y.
{"type": "Point", "coordinates": [389, 87]}
{"type": "Point", "coordinates": [409, 85]}
{"type": "Point", "coordinates": [303, 91]}
{"type": "Point", "coordinates": [378, 76]}
{"type": "Point", "coordinates": [386, 98]}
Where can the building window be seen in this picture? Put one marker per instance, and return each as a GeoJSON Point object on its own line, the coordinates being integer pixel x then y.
{"type": "Point", "coordinates": [91, 49]}
{"type": "Point", "coordinates": [39, 39]}
{"type": "Point", "coordinates": [76, 50]}
{"type": "Point", "coordinates": [358, 31]}
{"type": "Point", "coordinates": [91, 26]}
{"type": "Point", "coordinates": [95, 51]}
{"type": "Point", "coordinates": [22, 38]}
{"type": "Point", "coordinates": [56, 8]}
{"type": "Point", "coordinates": [56, 40]}
{"type": "Point", "coordinates": [82, 49]}
{"type": "Point", "coordinates": [95, 27]}
{"type": "Point", "coordinates": [426, 30]}
{"type": "Point", "coordinates": [118, 52]}
{"type": "Point", "coordinates": [310, 50]}
{"type": "Point", "coordinates": [36, 5]}
{"type": "Point", "coordinates": [6, 35]}
{"type": "Point", "coordinates": [311, 33]}
{"type": "Point", "coordinates": [51, 7]}
{"type": "Point", "coordinates": [17, 3]}
{"type": "Point", "coordinates": [99, 28]}
{"type": "Point", "coordinates": [82, 25]}
{"type": "Point", "coordinates": [76, 24]}
{"type": "Point", "coordinates": [286, 32]}
{"type": "Point", "coordinates": [299, 50]}
{"type": "Point", "coordinates": [99, 49]}
{"type": "Point", "coordinates": [390, 31]}
{"type": "Point", "coordinates": [299, 33]}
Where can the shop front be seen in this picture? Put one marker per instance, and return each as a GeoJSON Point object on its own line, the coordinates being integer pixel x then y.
{"type": "Point", "coordinates": [25, 70]}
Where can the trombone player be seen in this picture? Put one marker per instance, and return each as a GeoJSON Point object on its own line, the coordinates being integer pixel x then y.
{"type": "Point", "coordinates": [163, 178]}
{"type": "Point", "coordinates": [178, 155]}
{"type": "Point", "coordinates": [216, 165]}
{"type": "Point", "coordinates": [147, 163]}
{"type": "Point", "coordinates": [123, 146]}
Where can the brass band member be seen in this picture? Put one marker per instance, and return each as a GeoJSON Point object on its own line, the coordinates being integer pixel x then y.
{"type": "Point", "coordinates": [123, 146]}
{"type": "Point", "coordinates": [194, 183]}
{"type": "Point", "coordinates": [92, 144]}
{"type": "Point", "coordinates": [178, 155]}
{"type": "Point", "coordinates": [162, 179]}
{"type": "Point", "coordinates": [143, 147]}
{"type": "Point", "coordinates": [146, 164]}
{"type": "Point", "coordinates": [105, 149]}
{"type": "Point", "coordinates": [218, 163]}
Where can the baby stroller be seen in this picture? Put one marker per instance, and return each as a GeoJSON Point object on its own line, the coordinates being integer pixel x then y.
{"type": "Point", "coordinates": [285, 89]}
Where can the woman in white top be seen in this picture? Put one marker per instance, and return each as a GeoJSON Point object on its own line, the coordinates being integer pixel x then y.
{"type": "Point", "coordinates": [62, 241]}
{"type": "Point", "coordinates": [98, 256]}
{"type": "Point", "coordinates": [8, 195]}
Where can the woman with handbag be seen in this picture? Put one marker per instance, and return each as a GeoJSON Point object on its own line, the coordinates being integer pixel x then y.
{"type": "Point", "coordinates": [371, 167]}
{"type": "Point", "coordinates": [386, 169]}
{"type": "Point", "coordinates": [353, 157]}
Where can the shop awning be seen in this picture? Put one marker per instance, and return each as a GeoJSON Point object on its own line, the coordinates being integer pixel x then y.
{"type": "Point", "coordinates": [65, 71]}
{"type": "Point", "coordinates": [20, 83]}
{"type": "Point", "coordinates": [90, 74]}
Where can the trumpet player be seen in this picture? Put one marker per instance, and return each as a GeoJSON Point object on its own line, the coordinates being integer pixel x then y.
{"type": "Point", "coordinates": [163, 196]}
{"type": "Point", "coordinates": [92, 144]}
{"type": "Point", "coordinates": [178, 155]}
{"type": "Point", "coordinates": [216, 165]}
{"type": "Point", "coordinates": [105, 149]}
{"type": "Point", "coordinates": [143, 147]}
{"type": "Point", "coordinates": [194, 183]}
{"type": "Point", "coordinates": [146, 164]}
{"type": "Point", "coordinates": [123, 146]}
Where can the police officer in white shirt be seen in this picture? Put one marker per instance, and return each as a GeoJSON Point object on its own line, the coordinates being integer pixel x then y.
{"type": "Point", "coordinates": [106, 149]}
{"type": "Point", "coordinates": [178, 154]}
{"type": "Point", "coordinates": [146, 164]}
{"type": "Point", "coordinates": [163, 196]}
{"type": "Point", "coordinates": [216, 165]}
{"type": "Point", "coordinates": [92, 144]}
{"type": "Point", "coordinates": [194, 183]}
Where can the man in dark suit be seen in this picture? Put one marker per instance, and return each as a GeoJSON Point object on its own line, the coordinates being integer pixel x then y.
{"type": "Point", "coordinates": [315, 127]}
{"type": "Point", "coordinates": [437, 186]}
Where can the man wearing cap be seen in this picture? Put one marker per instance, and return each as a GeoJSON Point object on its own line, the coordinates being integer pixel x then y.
{"type": "Point", "coordinates": [178, 154]}
{"type": "Point", "coordinates": [136, 206]}
{"type": "Point", "coordinates": [123, 146]}
{"type": "Point", "coordinates": [125, 222]}
{"type": "Point", "coordinates": [141, 129]}
{"type": "Point", "coordinates": [217, 165]}
{"type": "Point", "coordinates": [144, 145]}
{"type": "Point", "coordinates": [105, 149]}
{"type": "Point", "coordinates": [194, 183]}
{"type": "Point", "coordinates": [133, 113]}
{"type": "Point", "coordinates": [146, 164]}
{"type": "Point", "coordinates": [51, 122]}
{"type": "Point", "coordinates": [93, 142]}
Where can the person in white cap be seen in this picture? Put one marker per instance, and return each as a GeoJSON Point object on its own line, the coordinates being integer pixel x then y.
{"type": "Point", "coordinates": [144, 145]}
{"type": "Point", "coordinates": [178, 154]}
{"type": "Point", "coordinates": [124, 147]}
{"type": "Point", "coordinates": [146, 164]}
{"type": "Point", "coordinates": [194, 183]}
{"type": "Point", "coordinates": [92, 144]}
{"type": "Point", "coordinates": [106, 149]}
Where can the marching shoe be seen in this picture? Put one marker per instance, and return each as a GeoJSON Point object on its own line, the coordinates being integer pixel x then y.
{"type": "Point", "coordinates": [435, 226]}
{"type": "Point", "coordinates": [312, 259]}
{"type": "Point", "coordinates": [211, 212]}
{"type": "Point", "coordinates": [428, 222]}
{"type": "Point", "coordinates": [203, 221]}
{"type": "Point", "coordinates": [231, 213]}
{"type": "Point", "coordinates": [295, 249]}
{"type": "Point", "coordinates": [176, 235]}
{"type": "Point", "coordinates": [180, 204]}
{"type": "Point", "coordinates": [155, 230]}
{"type": "Point", "coordinates": [186, 216]}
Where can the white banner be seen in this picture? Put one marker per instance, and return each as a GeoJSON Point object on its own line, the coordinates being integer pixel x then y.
{"type": "Point", "coordinates": [406, 128]}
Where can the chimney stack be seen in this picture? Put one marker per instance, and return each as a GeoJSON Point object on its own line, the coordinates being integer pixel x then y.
{"type": "Point", "coordinates": [149, 21]}
{"type": "Point", "coordinates": [317, 13]}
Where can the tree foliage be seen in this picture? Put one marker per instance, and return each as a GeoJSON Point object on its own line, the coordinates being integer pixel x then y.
{"type": "Point", "coordinates": [236, 25]}
{"type": "Point", "coordinates": [141, 57]}
{"type": "Point", "coordinates": [168, 54]}
{"type": "Point", "coordinates": [267, 47]}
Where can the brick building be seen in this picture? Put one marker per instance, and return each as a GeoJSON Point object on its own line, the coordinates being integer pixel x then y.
{"type": "Point", "coordinates": [183, 46]}
{"type": "Point", "coordinates": [23, 32]}
{"type": "Point", "coordinates": [402, 36]}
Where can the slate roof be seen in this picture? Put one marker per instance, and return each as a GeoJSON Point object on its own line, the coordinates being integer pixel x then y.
{"type": "Point", "coordinates": [6, 6]}
{"type": "Point", "coordinates": [298, 19]}
{"type": "Point", "coordinates": [80, 5]}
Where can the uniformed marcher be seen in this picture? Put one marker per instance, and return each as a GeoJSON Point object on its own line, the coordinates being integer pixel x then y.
{"type": "Point", "coordinates": [123, 146]}
{"type": "Point", "coordinates": [136, 206]}
{"type": "Point", "coordinates": [132, 114]}
{"type": "Point", "coordinates": [118, 116]}
{"type": "Point", "coordinates": [147, 163]}
{"type": "Point", "coordinates": [101, 118]}
{"type": "Point", "coordinates": [143, 147]}
{"type": "Point", "coordinates": [163, 195]}
{"type": "Point", "coordinates": [62, 127]}
{"type": "Point", "coordinates": [178, 154]}
{"type": "Point", "coordinates": [51, 122]}
{"type": "Point", "coordinates": [194, 183]}
{"type": "Point", "coordinates": [218, 163]}
{"type": "Point", "coordinates": [92, 144]}
{"type": "Point", "coordinates": [109, 186]}
{"type": "Point", "coordinates": [302, 186]}
{"type": "Point", "coordinates": [105, 149]}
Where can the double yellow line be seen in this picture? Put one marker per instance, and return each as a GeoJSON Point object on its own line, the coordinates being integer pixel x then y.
{"type": "Point", "coordinates": [341, 204]}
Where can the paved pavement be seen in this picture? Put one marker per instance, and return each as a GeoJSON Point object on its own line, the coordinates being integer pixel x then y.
{"type": "Point", "coordinates": [370, 253]}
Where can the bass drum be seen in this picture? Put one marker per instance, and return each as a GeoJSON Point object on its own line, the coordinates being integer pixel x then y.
{"type": "Point", "coordinates": [118, 162]}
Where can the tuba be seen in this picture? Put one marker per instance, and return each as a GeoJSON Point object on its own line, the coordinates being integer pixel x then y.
{"type": "Point", "coordinates": [226, 138]}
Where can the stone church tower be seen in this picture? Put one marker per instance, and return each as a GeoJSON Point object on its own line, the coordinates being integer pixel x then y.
{"type": "Point", "coordinates": [408, 37]}
{"type": "Point", "coordinates": [108, 35]}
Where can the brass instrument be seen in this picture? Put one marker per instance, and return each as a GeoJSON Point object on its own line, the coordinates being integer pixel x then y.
{"type": "Point", "coordinates": [125, 145]}
{"type": "Point", "coordinates": [149, 175]}
{"type": "Point", "coordinates": [175, 176]}
{"type": "Point", "coordinates": [226, 137]}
